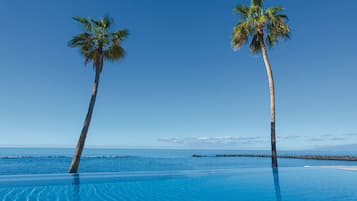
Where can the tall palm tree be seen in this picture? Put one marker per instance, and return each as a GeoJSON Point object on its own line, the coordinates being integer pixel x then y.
{"type": "Point", "coordinates": [262, 26]}
{"type": "Point", "coordinates": [97, 43]}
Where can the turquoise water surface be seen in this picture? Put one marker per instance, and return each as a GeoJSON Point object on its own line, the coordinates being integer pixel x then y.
{"type": "Point", "coordinates": [254, 184]}
{"type": "Point", "coordinates": [34, 174]}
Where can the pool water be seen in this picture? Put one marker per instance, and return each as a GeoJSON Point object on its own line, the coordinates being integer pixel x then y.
{"type": "Point", "coordinates": [241, 184]}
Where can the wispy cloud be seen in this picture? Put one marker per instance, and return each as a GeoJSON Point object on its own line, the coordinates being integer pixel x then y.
{"type": "Point", "coordinates": [221, 140]}
{"type": "Point", "coordinates": [327, 135]}
{"type": "Point", "coordinates": [316, 139]}
{"type": "Point", "coordinates": [284, 140]}
{"type": "Point", "coordinates": [289, 137]}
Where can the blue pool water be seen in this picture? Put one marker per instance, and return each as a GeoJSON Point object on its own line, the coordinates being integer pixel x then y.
{"type": "Point", "coordinates": [35, 174]}
{"type": "Point", "coordinates": [244, 184]}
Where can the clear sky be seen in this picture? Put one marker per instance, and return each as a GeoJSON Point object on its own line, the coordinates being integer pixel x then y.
{"type": "Point", "coordinates": [181, 84]}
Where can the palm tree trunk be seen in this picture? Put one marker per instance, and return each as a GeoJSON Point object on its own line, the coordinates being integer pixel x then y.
{"type": "Point", "coordinates": [73, 168]}
{"type": "Point", "coordinates": [272, 101]}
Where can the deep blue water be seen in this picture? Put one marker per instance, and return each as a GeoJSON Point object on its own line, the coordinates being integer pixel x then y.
{"type": "Point", "coordinates": [35, 174]}
{"type": "Point", "coordinates": [243, 184]}
{"type": "Point", "coordinates": [56, 160]}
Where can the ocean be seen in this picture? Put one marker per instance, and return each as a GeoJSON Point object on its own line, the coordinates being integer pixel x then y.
{"type": "Point", "coordinates": [19, 161]}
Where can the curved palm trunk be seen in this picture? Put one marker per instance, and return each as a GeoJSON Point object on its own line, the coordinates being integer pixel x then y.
{"type": "Point", "coordinates": [272, 102]}
{"type": "Point", "coordinates": [73, 168]}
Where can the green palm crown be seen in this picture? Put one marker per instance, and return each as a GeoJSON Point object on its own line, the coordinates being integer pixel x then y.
{"type": "Point", "coordinates": [97, 42]}
{"type": "Point", "coordinates": [255, 21]}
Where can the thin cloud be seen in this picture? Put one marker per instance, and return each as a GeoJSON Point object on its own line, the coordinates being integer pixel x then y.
{"type": "Point", "coordinates": [316, 139]}
{"type": "Point", "coordinates": [221, 140]}
{"type": "Point", "coordinates": [259, 140]}
{"type": "Point", "coordinates": [289, 137]}
{"type": "Point", "coordinates": [327, 135]}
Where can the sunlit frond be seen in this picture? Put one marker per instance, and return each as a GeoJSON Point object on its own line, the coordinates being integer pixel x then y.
{"type": "Point", "coordinates": [121, 34]}
{"type": "Point", "coordinates": [242, 11]}
{"type": "Point", "coordinates": [272, 11]}
{"type": "Point", "coordinates": [277, 29]}
{"type": "Point", "coordinates": [240, 34]}
{"type": "Point", "coordinates": [258, 3]}
{"type": "Point", "coordinates": [98, 43]}
{"type": "Point", "coordinates": [257, 22]}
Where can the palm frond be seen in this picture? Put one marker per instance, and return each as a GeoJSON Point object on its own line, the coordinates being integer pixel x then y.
{"type": "Point", "coordinates": [98, 43]}
{"type": "Point", "coordinates": [89, 55]}
{"type": "Point", "coordinates": [271, 40]}
{"type": "Point", "coordinates": [96, 23]}
{"type": "Point", "coordinates": [106, 22]}
{"type": "Point", "coordinates": [258, 3]}
{"type": "Point", "coordinates": [256, 22]}
{"type": "Point", "coordinates": [242, 11]}
{"type": "Point", "coordinates": [79, 39]}
{"type": "Point", "coordinates": [240, 34]}
{"type": "Point", "coordinates": [282, 16]}
{"type": "Point", "coordinates": [104, 41]}
{"type": "Point", "coordinates": [272, 11]}
{"type": "Point", "coordinates": [121, 34]}
{"type": "Point", "coordinates": [114, 52]}
{"type": "Point", "coordinates": [278, 27]}
{"type": "Point", "coordinates": [84, 21]}
{"type": "Point", "coordinates": [255, 46]}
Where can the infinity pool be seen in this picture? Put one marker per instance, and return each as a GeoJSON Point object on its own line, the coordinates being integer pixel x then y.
{"type": "Point", "coordinates": [254, 184]}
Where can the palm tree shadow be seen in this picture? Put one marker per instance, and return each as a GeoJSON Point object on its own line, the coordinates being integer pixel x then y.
{"type": "Point", "coordinates": [276, 184]}
{"type": "Point", "coordinates": [76, 187]}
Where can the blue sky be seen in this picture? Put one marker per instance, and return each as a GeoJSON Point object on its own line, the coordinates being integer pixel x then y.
{"type": "Point", "coordinates": [181, 84]}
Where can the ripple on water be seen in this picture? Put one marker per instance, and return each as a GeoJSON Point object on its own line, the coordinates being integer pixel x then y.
{"type": "Point", "coordinates": [292, 184]}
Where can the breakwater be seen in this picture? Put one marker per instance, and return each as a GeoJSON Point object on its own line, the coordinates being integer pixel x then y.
{"type": "Point", "coordinates": [309, 157]}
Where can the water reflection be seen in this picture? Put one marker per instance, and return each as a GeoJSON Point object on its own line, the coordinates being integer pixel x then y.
{"type": "Point", "coordinates": [76, 187]}
{"type": "Point", "coordinates": [276, 184]}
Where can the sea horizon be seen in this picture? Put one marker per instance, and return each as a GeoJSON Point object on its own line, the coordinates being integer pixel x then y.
{"type": "Point", "coordinates": [338, 148]}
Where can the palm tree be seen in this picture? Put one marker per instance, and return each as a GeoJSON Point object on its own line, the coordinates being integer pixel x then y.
{"type": "Point", "coordinates": [263, 26]}
{"type": "Point", "coordinates": [96, 44]}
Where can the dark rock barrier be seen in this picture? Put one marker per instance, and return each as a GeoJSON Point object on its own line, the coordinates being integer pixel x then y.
{"type": "Point", "coordinates": [310, 157]}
